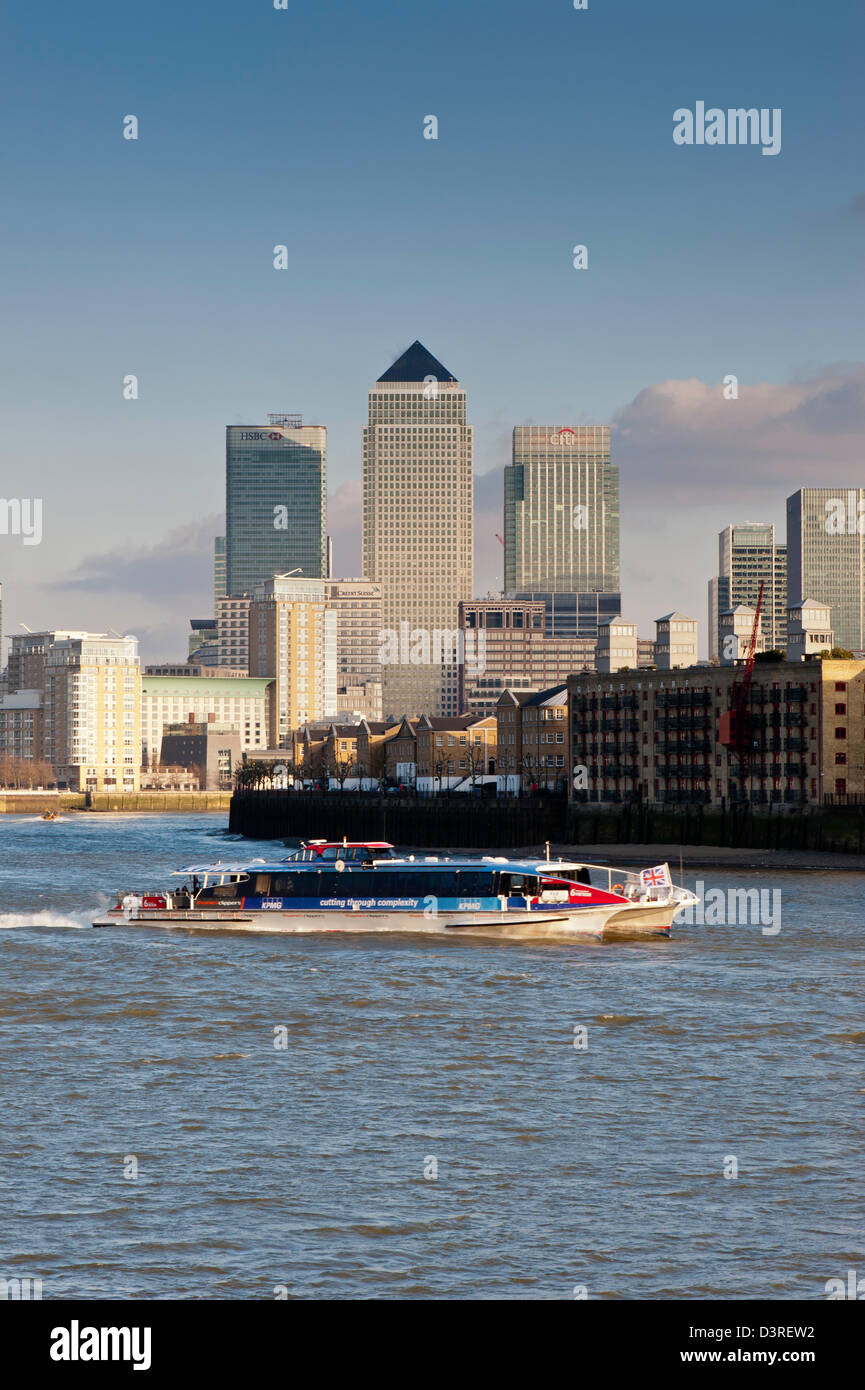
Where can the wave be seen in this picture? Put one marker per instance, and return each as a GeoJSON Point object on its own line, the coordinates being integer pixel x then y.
{"type": "Point", "coordinates": [44, 919]}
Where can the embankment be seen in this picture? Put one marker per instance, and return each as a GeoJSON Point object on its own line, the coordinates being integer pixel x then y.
{"type": "Point", "coordinates": [442, 822]}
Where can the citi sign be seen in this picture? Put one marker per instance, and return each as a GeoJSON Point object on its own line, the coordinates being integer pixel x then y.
{"type": "Point", "coordinates": [565, 437]}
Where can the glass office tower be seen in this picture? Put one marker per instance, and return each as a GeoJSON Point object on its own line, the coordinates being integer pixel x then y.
{"type": "Point", "coordinates": [826, 556]}
{"type": "Point", "coordinates": [561, 511]}
{"type": "Point", "coordinates": [575, 615]}
{"type": "Point", "coordinates": [275, 501]}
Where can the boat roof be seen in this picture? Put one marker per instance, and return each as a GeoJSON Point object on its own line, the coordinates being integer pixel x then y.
{"type": "Point", "coordinates": [408, 862]}
{"type": "Point", "coordinates": [345, 844]}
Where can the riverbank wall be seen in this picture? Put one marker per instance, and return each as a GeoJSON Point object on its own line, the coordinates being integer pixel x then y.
{"type": "Point", "coordinates": [28, 803]}
{"type": "Point", "coordinates": [470, 823]}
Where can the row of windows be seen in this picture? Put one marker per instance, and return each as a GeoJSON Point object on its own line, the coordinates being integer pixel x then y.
{"type": "Point", "coordinates": [326, 883]}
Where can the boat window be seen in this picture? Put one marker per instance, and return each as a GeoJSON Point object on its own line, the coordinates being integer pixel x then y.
{"type": "Point", "coordinates": [519, 885]}
{"type": "Point", "coordinates": [391, 885]}
{"type": "Point", "coordinates": [261, 885]}
{"type": "Point", "coordinates": [227, 890]}
{"type": "Point", "coordinates": [476, 883]}
{"type": "Point", "coordinates": [283, 886]}
{"type": "Point", "coordinates": [332, 884]}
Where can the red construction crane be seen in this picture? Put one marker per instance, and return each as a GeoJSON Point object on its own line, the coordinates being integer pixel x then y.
{"type": "Point", "coordinates": [499, 539]}
{"type": "Point", "coordinates": [734, 730]}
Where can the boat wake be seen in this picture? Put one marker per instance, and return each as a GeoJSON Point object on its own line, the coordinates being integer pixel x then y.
{"type": "Point", "coordinates": [44, 919]}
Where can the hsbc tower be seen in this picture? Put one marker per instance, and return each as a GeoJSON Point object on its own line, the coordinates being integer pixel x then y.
{"type": "Point", "coordinates": [275, 501]}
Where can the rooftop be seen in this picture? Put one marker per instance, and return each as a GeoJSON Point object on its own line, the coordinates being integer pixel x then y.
{"type": "Point", "coordinates": [416, 364]}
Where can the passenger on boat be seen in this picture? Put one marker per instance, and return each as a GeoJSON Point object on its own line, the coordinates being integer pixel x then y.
{"type": "Point", "coordinates": [181, 897]}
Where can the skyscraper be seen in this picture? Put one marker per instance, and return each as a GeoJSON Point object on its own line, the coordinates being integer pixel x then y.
{"type": "Point", "coordinates": [747, 557]}
{"type": "Point", "coordinates": [561, 511]}
{"type": "Point", "coordinates": [275, 501]}
{"type": "Point", "coordinates": [826, 556]}
{"type": "Point", "coordinates": [417, 528]}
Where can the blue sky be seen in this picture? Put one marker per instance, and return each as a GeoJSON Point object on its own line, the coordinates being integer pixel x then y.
{"type": "Point", "coordinates": [304, 127]}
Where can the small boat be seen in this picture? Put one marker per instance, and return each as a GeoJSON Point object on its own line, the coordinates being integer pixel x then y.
{"type": "Point", "coordinates": [342, 886]}
{"type": "Point", "coordinates": [48, 815]}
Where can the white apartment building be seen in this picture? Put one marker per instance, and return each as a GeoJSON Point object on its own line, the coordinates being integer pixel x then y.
{"type": "Point", "coordinates": [21, 725]}
{"type": "Point", "coordinates": [293, 643]}
{"type": "Point", "coordinates": [734, 634]}
{"type": "Point", "coordinates": [357, 604]}
{"type": "Point", "coordinates": [617, 646]}
{"type": "Point", "coordinates": [237, 703]}
{"type": "Point", "coordinates": [809, 630]}
{"type": "Point", "coordinates": [232, 629]}
{"type": "Point", "coordinates": [675, 641]}
{"type": "Point", "coordinates": [92, 712]}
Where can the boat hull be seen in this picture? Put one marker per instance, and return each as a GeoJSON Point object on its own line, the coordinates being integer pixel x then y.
{"type": "Point", "coordinates": [654, 920]}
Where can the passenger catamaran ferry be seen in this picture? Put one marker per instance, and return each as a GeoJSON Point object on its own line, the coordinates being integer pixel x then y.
{"type": "Point", "coordinates": [367, 887]}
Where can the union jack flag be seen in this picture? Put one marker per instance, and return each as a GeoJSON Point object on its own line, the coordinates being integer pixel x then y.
{"type": "Point", "coordinates": [658, 877]}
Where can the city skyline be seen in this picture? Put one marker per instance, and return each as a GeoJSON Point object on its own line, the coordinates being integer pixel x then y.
{"type": "Point", "coordinates": [197, 554]}
{"type": "Point", "coordinates": [679, 292]}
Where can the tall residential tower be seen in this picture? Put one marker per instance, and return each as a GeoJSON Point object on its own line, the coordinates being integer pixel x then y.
{"type": "Point", "coordinates": [747, 557]}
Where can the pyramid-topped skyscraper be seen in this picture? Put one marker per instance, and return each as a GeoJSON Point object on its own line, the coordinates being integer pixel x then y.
{"type": "Point", "coordinates": [417, 526]}
{"type": "Point", "coordinates": [416, 364]}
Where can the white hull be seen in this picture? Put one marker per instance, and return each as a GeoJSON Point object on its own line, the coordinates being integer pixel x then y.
{"type": "Point", "coordinates": [633, 920]}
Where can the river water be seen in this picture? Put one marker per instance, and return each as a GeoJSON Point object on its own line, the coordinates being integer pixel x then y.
{"type": "Point", "coordinates": [430, 1129]}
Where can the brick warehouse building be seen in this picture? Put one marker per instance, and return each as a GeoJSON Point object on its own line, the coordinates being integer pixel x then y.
{"type": "Point", "coordinates": [652, 736]}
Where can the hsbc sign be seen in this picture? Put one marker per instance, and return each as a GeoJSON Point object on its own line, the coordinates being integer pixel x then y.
{"type": "Point", "coordinates": [277, 436]}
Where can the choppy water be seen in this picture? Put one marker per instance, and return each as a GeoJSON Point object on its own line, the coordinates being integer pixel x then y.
{"type": "Point", "coordinates": [304, 1167]}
